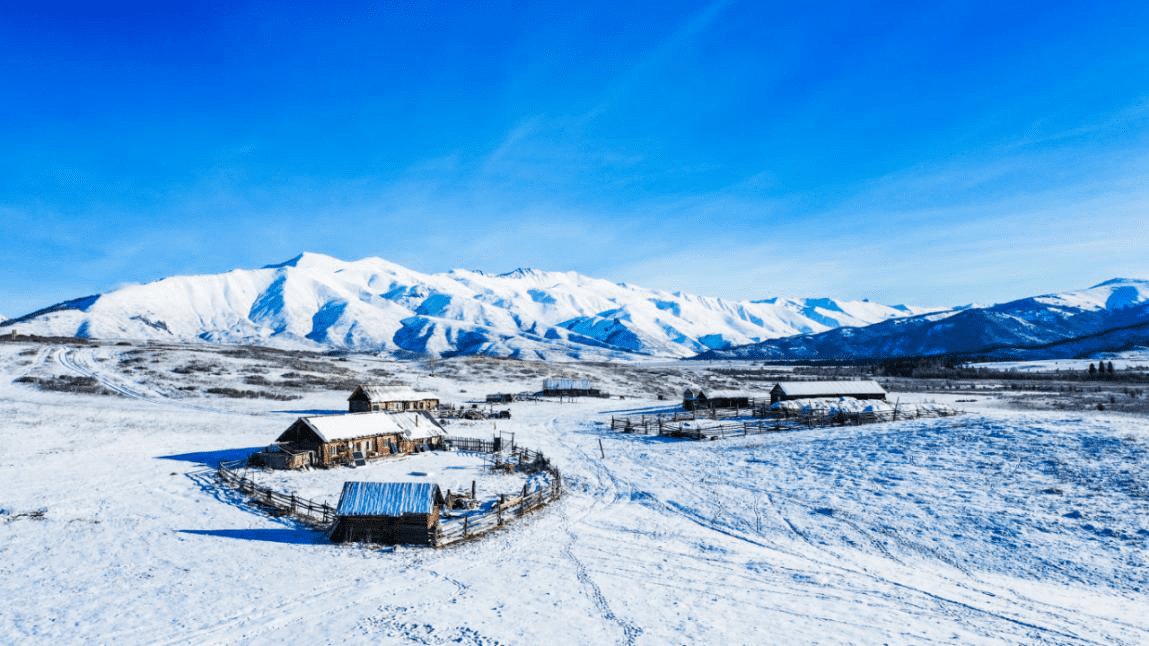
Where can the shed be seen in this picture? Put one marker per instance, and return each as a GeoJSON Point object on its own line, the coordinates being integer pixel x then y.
{"type": "Point", "coordinates": [698, 399]}
{"type": "Point", "coordinates": [569, 387]}
{"type": "Point", "coordinates": [788, 390]}
{"type": "Point", "coordinates": [279, 456]}
{"type": "Point", "coordinates": [379, 397]}
{"type": "Point", "coordinates": [405, 513]}
{"type": "Point", "coordinates": [334, 439]}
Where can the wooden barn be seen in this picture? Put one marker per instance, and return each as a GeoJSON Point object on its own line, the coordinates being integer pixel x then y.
{"type": "Point", "coordinates": [699, 399]}
{"type": "Point", "coordinates": [390, 513]}
{"type": "Point", "coordinates": [788, 390]}
{"type": "Point", "coordinates": [567, 387]}
{"type": "Point", "coordinates": [331, 440]}
{"type": "Point", "coordinates": [376, 397]}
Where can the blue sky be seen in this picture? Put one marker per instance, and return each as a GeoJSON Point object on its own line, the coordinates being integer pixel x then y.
{"type": "Point", "coordinates": [932, 153]}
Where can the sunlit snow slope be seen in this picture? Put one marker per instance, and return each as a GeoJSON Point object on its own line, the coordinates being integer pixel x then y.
{"type": "Point", "coordinates": [375, 305]}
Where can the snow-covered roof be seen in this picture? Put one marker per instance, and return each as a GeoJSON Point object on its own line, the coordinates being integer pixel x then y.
{"type": "Point", "coordinates": [387, 498]}
{"type": "Point", "coordinates": [725, 394]}
{"type": "Point", "coordinates": [417, 426]}
{"type": "Point", "coordinates": [392, 393]}
{"type": "Point", "coordinates": [695, 393]}
{"type": "Point", "coordinates": [564, 383]}
{"type": "Point", "coordinates": [412, 425]}
{"type": "Point", "coordinates": [822, 388]}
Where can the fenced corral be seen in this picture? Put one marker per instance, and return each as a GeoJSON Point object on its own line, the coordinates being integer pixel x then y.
{"type": "Point", "coordinates": [651, 424]}
{"type": "Point", "coordinates": [703, 427]}
{"type": "Point", "coordinates": [456, 527]}
{"type": "Point", "coordinates": [502, 454]}
{"type": "Point", "coordinates": [461, 517]}
{"type": "Point", "coordinates": [234, 475]}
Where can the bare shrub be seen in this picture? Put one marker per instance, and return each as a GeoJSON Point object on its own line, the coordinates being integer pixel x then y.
{"type": "Point", "coordinates": [235, 393]}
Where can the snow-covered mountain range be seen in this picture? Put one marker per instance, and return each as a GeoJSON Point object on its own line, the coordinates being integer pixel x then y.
{"type": "Point", "coordinates": [1111, 316]}
{"type": "Point", "coordinates": [315, 300]}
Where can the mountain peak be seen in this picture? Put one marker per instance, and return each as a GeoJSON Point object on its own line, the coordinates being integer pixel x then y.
{"type": "Point", "coordinates": [306, 259]}
{"type": "Point", "coordinates": [524, 272]}
{"type": "Point", "coordinates": [1120, 281]}
{"type": "Point", "coordinates": [376, 305]}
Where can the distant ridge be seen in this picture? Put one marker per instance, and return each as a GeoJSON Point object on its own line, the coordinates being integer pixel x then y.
{"type": "Point", "coordinates": [1109, 317]}
{"type": "Point", "coordinates": [316, 301]}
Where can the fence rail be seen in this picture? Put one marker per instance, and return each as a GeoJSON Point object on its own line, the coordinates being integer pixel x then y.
{"type": "Point", "coordinates": [647, 423]}
{"type": "Point", "coordinates": [685, 425]}
{"type": "Point", "coordinates": [454, 526]}
{"type": "Point", "coordinates": [457, 526]}
{"type": "Point", "coordinates": [309, 511]}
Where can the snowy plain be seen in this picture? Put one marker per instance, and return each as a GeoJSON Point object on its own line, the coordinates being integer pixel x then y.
{"type": "Point", "coordinates": [1135, 360]}
{"type": "Point", "coordinates": [996, 526]}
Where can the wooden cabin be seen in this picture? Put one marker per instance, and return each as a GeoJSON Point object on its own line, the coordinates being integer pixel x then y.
{"type": "Point", "coordinates": [690, 398]}
{"type": "Point", "coordinates": [567, 387]}
{"type": "Point", "coordinates": [698, 399]}
{"type": "Point", "coordinates": [376, 397]}
{"type": "Point", "coordinates": [331, 440]}
{"type": "Point", "coordinates": [500, 398]}
{"type": "Point", "coordinates": [390, 513]}
{"type": "Point", "coordinates": [789, 390]}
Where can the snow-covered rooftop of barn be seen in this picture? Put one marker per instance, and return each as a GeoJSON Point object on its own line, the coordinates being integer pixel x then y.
{"type": "Point", "coordinates": [565, 383]}
{"type": "Point", "coordinates": [414, 426]}
{"type": "Point", "coordinates": [385, 393]}
{"type": "Point", "coordinates": [726, 394]}
{"type": "Point", "coordinates": [387, 498]}
{"type": "Point", "coordinates": [816, 388]}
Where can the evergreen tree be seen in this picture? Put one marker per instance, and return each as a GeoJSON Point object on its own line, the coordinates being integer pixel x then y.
{"type": "Point", "coordinates": [1092, 370]}
{"type": "Point", "coordinates": [1109, 369]}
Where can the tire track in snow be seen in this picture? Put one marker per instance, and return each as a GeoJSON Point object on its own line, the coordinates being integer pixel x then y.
{"type": "Point", "coordinates": [954, 607]}
{"type": "Point", "coordinates": [43, 355]}
{"type": "Point", "coordinates": [605, 486]}
{"type": "Point", "coordinates": [630, 631]}
{"type": "Point", "coordinates": [82, 363]}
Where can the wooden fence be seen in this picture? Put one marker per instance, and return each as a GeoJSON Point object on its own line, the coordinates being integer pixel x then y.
{"type": "Point", "coordinates": [311, 512]}
{"type": "Point", "coordinates": [648, 423]}
{"type": "Point", "coordinates": [458, 526]}
{"type": "Point", "coordinates": [777, 421]}
{"type": "Point", "coordinates": [454, 525]}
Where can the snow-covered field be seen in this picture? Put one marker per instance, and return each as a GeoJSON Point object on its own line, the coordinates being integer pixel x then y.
{"type": "Point", "coordinates": [1120, 361]}
{"type": "Point", "coordinates": [992, 527]}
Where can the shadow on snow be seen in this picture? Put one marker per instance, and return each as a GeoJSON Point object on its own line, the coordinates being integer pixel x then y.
{"type": "Point", "coordinates": [213, 458]}
{"type": "Point", "coordinates": [274, 535]}
{"type": "Point", "coordinates": [666, 409]}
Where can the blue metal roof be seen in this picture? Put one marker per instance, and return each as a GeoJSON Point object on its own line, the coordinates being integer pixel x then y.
{"type": "Point", "coordinates": [387, 498]}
